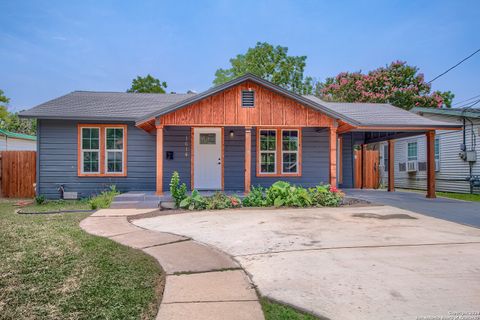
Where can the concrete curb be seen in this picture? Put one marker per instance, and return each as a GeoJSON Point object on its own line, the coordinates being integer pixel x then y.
{"type": "Point", "coordinates": [201, 282]}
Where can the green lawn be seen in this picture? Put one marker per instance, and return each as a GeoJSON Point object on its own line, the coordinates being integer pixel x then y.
{"type": "Point", "coordinates": [460, 196]}
{"type": "Point", "coordinates": [51, 269]}
{"type": "Point", "coordinates": [58, 205]}
{"type": "Point", "coordinates": [275, 311]}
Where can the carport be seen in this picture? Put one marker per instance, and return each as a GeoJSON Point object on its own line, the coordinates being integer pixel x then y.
{"type": "Point", "coordinates": [375, 122]}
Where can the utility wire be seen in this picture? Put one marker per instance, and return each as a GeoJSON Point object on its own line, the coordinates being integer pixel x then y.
{"type": "Point", "coordinates": [463, 101]}
{"type": "Point", "coordinates": [468, 104]}
{"type": "Point", "coordinates": [451, 68]}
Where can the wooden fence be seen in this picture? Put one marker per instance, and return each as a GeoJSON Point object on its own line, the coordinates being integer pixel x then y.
{"type": "Point", "coordinates": [18, 173]}
{"type": "Point", "coordinates": [367, 169]}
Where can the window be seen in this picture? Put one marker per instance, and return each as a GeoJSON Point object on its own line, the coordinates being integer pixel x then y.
{"type": "Point", "coordinates": [385, 157]}
{"type": "Point", "coordinates": [412, 154]}
{"type": "Point", "coordinates": [268, 151]}
{"type": "Point", "coordinates": [102, 150]}
{"type": "Point", "coordinates": [279, 152]}
{"type": "Point", "coordinates": [248, 98]}
{"type": "Point", "coordinates": [114, 150]}
{"type": "Point", "coordinates": [90, 150]}
{"type": "Point", "coordinates": [289, 151]}
{"type": "Point", "coordinates": [437, 149]}
{"type": "Point", "coordinates": [207, 138]}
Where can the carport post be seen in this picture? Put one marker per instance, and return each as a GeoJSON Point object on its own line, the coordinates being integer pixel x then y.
{"type": "Point", "coordinates": [431, 164]}
{"type": "Point", "coordinates": [248, 158]}
{"type": "Point", "coordinates": [159, 152]}
{"type": "Point", "coordinates": [333, 155]}
{"type": "Point", "coordinates": [391, 165]}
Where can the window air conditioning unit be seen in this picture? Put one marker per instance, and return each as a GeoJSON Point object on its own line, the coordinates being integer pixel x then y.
{"type": "Point", "coordinates": [412, 166]}
{"type": "Point", "coordinates": [437, 165]}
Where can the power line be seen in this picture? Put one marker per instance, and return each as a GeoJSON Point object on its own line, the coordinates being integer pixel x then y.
{"type": "Point", "coordinates": [451, 68]}
{"type": "Point", "coordinates": [463, 101]}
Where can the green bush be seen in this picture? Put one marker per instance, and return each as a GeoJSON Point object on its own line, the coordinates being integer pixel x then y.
{"type": "Point", "coordinates": [40, 199]}
{"type": "Point", "coordinates": [222, 201]}
{"type": "Point", "coordinates": [194, 202]}
{"type": "Point", "coordinates": [282, 194]}
{"type": "Point", "coordinates": [326, 196]}
{"type": "Point", "coordinates": [177, 190]}
{"type": "Point", "coordinates": [255, 198]}
{"type": "Point", "coordinates": [104, 199]}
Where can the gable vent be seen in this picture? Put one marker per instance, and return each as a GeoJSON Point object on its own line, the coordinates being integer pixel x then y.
{"type": "Point", "coordinates": [248, 98]}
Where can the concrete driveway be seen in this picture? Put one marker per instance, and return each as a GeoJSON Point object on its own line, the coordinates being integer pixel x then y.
{"type": "Point", "coordinates": [464, 212]}
{"type": "Point", "coordinates": [376, 262]}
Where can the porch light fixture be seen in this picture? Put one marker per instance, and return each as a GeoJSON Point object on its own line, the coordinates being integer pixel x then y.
{"type": "Point", "coordinates": [231, 133]}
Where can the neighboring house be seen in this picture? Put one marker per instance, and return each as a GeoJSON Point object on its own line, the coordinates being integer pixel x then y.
{"type": "Point", "coordinates": [11, 141]}
{"type": "Point", "coordinates": [245, 132]}
{"type": "Point", "coordinates": [452, 168]}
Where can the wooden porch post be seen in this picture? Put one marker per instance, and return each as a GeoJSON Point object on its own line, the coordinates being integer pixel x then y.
{"type": "Point", "coordinates": [333, 156]}
{"type": "Point", "coordinates": [431, 164]}
{"type": "Point", "coordinates": [364, 164]}
{"type": "Point", "coordinates": [391, 165]}
{"type": "Point", "coordinates": [159, 159]}
{"type": "Point", "coordinates": [248, 158]}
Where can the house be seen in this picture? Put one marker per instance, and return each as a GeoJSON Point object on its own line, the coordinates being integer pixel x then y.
{"type": "Point", "coordinates": [455, 153]}
{"type": "Point", "coordinates": [245, 132]}
{"type": "Point", "coordinates": [11, 141]}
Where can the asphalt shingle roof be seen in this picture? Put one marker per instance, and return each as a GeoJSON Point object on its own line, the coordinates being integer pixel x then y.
{"type": "Point", "coordinates": [379, 114]}
{"type": "Point", "coordinates": [86, 105]}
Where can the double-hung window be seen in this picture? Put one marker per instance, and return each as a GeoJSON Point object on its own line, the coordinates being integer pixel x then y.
{"type": "Point", "coordinates": [102, 150]}
{"type": "Point", "coordinates": [90, 150]}
{"type": "Point", "coordinates": [114, 150]}
{"type": "Point", "coordinates": [412, 151]}
{"type": "Point", "coordinates": [268, 151]}
{"type": "Point", "coordinates": [289, 151]}
{"type": "Point", "coordinates": [279, 152]}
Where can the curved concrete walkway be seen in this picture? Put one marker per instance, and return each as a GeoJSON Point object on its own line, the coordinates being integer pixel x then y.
{"type": "Point", "coordinates": [201, 282]}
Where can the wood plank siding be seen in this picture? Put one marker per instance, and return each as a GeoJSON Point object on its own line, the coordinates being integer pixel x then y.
{"type": "Point", "coordinates": [225, 109]}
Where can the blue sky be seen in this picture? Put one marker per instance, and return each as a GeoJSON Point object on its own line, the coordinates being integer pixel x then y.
{"type": "Point", "coordinates": [48, 49]}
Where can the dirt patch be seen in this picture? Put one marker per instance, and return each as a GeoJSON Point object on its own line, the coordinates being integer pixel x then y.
{"type": "Point", "coordinates": [355, 202]}
{"type": "Point", "coordinates": [383, 217]}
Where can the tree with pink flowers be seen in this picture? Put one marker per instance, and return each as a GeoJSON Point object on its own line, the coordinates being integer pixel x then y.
{"type": "Point", "coordinates": [397, 83]}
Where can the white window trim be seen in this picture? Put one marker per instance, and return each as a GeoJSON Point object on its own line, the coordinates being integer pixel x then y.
{"type": "Point", "coordinates": [115, 150]}
{"type": "Point", "coordinates": [90, 150]}
{"type": "Point", "coordinates": [284, 152]}
{"type": "Point", "coordinates": [267, 151]}
{"type": "Point", "coordinates": [416, 156]}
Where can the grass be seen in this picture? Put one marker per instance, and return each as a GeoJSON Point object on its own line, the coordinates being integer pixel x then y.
{"type": "Point", "coordinates": [460, 196]}
{"type": "Point", "coordinates": [58, 205]}
{"type": "Point", "coordinates": [276, 311]}
{"type": "Point", "coordinates": [51, 269]}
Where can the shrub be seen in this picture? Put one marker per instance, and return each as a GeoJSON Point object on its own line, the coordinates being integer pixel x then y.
{"type": "Point", "coordinates": [194, 202]}
{"type": "Point", "coordinates": [326, 196]}
{"type": "Point", "coordinates": [40, 199]}
{"type": "Point", "coordinates": [282, 194]}
{"type": "Point", "coordinates": [104, 199]}
{"type": "Point", "coordinates": [255, 198]}
{"type": "Point", "coordinates": [177, 190]}
{"type": "Point", "coordinates": [222, 201]}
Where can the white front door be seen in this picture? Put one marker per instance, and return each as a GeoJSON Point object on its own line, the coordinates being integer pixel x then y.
{"type": "Point", "coordinates": [207, 159]}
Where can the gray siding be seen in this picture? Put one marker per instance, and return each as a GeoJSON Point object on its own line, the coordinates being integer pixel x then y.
{"type": "Point", "coordinates": [315, 160]}
{"type": "Point", "coordinates": [347, 163]}
{"type": "Point", "coordinates": [57, 163]}
{"type": "Point", "coordinates": [176, 139]}
{"type": "Point", "coordinates": [234, 158]}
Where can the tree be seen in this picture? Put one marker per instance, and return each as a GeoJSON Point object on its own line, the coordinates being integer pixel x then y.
{"type": "Point", "coordinates": [147, 84]}
{"type": "Point", "coordinates": [12, 122]}
{"type": "Point", "coordinates": [397, 83]}
{"type": "Point", "coordinates": [270, 63]}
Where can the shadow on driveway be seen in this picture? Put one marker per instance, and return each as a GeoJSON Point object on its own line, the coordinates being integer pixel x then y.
{"type": "Point", "coordinates": [464, 212]}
